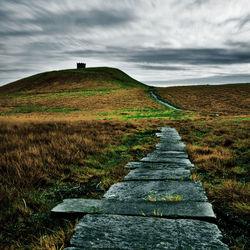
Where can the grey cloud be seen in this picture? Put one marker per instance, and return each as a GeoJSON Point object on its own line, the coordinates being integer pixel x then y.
{"type": "Point", "coordinates": [14, 70]}
{"type": "Point", "coordinates": [70, 21]}
{"type": "Point", "coordinates": [238, 44]}
{"type": "Point", "coordinates": [244, 21]}
{"type": "Point", "coordinates": [82, 20]}
{"type": "Point", "coordinates": [162, 67]}
{"type": "Point", "coordinates": [199, 2]}
{"type": "Point", "coordinates": [191, 56]}
{"type": "Point", "coordinates": [18, 33]}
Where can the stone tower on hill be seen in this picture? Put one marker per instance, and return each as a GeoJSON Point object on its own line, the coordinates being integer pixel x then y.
{"type": "Point", "coordinates": [81, 65]}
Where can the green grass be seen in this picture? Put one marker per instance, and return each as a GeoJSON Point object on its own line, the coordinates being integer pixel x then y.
{"type": "Point", "coordinates": [30, 109]}
{"type": "Point", "coordinates": [129, 114]}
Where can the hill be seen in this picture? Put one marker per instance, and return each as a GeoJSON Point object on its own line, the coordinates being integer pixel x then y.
{"type": "Point", "coordinates": [75, 92]}
{"type": "Point", "coordinates": [72, 79]}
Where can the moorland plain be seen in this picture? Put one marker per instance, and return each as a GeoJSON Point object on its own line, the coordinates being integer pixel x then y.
{"type": "Point", "coordinates": [67, 134]}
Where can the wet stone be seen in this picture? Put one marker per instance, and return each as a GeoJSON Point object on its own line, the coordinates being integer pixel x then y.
{"type": "Point", "coordinates": [158, 174]}
{"type": "Point", "coordinates": [137, 207]}
{"type": "Point", "coordinates": [166, 146]}
{"type": "Point", "coordinates": [167, 154]}
{"type": "Point", "coordinates": [155, 165]}
{"type": "Point", "coordinates": [133, 232]}
{"type": "Point", "coordinates": [157, 190]}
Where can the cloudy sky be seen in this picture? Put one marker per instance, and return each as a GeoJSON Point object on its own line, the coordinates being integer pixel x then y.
{"type": "Point", "coordinates": [152, 40]}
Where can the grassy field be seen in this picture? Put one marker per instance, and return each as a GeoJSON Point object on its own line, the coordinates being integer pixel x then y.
{"type": "Point", "coordinates": [67, 134]}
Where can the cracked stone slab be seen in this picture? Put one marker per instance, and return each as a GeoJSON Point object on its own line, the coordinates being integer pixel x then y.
{"type": "Point", "coordinates": [133, 232]}
{"type": "Point", "coordinates": [158, 190]}
{"type": "Point", "coordinates": [167, 154]}
{"type": "Point", "coordinates": [148, 174]}
{"type": "Point", "coordinates": [155, 165]}
{"type": "Point", "coordinates": [199, 210]}
{"type": "Point", "coordinates": [166, 146]}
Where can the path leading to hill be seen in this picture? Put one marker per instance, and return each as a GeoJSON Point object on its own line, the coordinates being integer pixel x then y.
{"type": "Point", "coordinates": [157, 206]}
{"type": "Point", "coordinates": [162, 102]}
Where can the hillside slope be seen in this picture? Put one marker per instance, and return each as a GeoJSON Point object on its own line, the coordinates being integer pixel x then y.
{"type": "Point", "coordinates": [76, 93]}
{"type": "Point", "coordinates": [72, 79]}
{"type": "Point", "coordinates": [221, 99]}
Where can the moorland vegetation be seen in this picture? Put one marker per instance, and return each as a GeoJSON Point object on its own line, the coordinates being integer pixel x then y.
{"type": "Point", "coordinates": [68, 134]}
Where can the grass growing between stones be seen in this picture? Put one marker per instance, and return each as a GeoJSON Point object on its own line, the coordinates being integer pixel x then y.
{"type": "Point", "coordinates": [166, 198]}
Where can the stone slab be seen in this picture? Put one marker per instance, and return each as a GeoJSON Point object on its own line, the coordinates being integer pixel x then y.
{"type": "Point", "coordinates": [166, 146]}
{"type": "Point", "coordinates": [161, 158]}
{"type": "Point", "coordinates": [167, 154]}
{"type": "Point", "coordinates": [199, 210]}
{"type": "Point", "coordinates": [159, 190]}
{"type": "Point", "coordinates": [168, 138]}
{"type": "Point", "coordinates": [148, 174]}
{"type": "Point", "coordinates": [132, 232]}
{"type": "Point", "coordinates": [155, 165]}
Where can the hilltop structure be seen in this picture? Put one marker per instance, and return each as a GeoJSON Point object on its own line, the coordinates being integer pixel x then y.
{"type": "Point", "coordinates": [81, 65]}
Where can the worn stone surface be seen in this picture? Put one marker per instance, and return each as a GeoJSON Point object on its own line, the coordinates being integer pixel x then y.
{"type": "Point", "coordinates": [155, 165]}
{"type": "Point", "coordinates": [167, 154]}
{"type": "Point", "coordinates": [132, 232]}
{"type": "Point", "coordinates": [188, 190]}
{"type": "Point", "coordinates": [161, 158]}
{"type": "Point", "coordinates": [158, 174]}
{"type": "Point", "coordinates": [140, 213]}
{"type": "Point", "coordinates": [166, 146]}
{"type": "Point", "coordinates": [137, 207]}
{"type": "Point", "coordinates": [168, 137]}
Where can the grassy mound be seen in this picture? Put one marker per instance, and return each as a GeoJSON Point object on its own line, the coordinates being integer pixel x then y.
{"type": "Point", "coordinates": [72, 79]}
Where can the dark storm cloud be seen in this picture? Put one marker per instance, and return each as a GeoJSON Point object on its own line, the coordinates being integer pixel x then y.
{"type": "Point", "coordinates": [171, 56]}
{"type": "Point", "coordinates": [70, 21]}
{"type": "Point", "coordinates": [76, 19]}
{"type": "Point", "coordinates": [159, 67]}
{"type": "Point", "coordinates": [191, 56]}
{"type": "Point", "coordinates": [4, 15]}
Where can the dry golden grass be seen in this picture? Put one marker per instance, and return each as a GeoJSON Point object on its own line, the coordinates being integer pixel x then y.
{"type": "Point", "coordinates": [33, 153]}
{"type": "Point", "coordinates": [39, 156]}
{"type": "Point", "coordinates": [77, 104]}
{"type": "Point", "coordinates": [222, 99]}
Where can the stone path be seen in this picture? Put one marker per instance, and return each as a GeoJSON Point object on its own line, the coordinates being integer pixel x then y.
{"type": "Point", "coordinates": [157, 206]}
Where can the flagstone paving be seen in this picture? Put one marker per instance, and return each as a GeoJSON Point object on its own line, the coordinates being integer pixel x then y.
{"type": "Point", "coordinates": [158, 174]}
{"type": "Point", "coordinates": [153, 208]}
{"type": "Point", "coordinates": [158, 165]}
{"type": "Point", "coordinates": [160, 190]}
{"type": "Point", "coordinates": [137, 207]}
{"type": "Point", "coordinates": [135, 232]}
{"type": "Point", "coordinates": [175, 146]}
